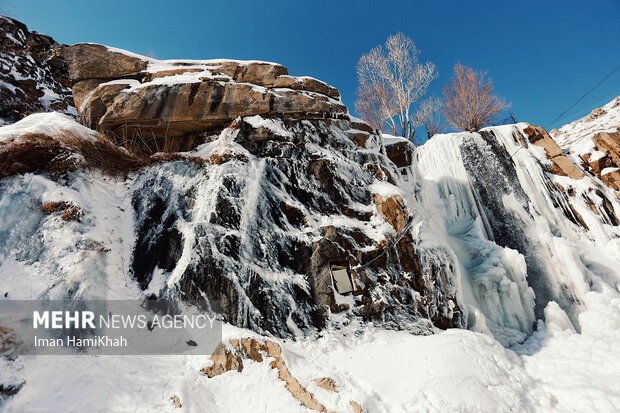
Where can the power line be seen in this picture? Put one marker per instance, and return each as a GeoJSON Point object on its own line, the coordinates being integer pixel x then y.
{"type": "Point", "coordinates": [586, 94]}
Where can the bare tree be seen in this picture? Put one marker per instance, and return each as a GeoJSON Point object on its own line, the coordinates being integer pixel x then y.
{"type": "Point", "coordinates": [393, 70]}
{"type": "Point", "coordinates": [375, 105]}
{"type": "Point", "coordinates": [469, 100]}
{"type": "Point", "coordinates": [427, 115]}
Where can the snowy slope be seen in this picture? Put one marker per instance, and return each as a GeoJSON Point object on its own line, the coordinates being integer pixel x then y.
{"type": "Point", "coordinates": [576, 137]}
{"type": "Point", "coordinates": [555, 370]}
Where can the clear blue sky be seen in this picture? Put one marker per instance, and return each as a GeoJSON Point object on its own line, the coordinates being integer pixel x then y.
{"type": "Point", "coordinates": [542, 55]}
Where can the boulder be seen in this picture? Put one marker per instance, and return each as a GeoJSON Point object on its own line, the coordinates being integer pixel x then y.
{"type": "Point", "coordinates": [561, 164]}
{"type": "Point", "coordinates": [612, 178]}
{"type": "Point", "coordinates": [96, 61]}
{"type": "Point", "coordinates": [610, 144]}
{"type": "Point", "coordinates": [597, 165]}
{"type": "Point", "coordinates": [401, 153]}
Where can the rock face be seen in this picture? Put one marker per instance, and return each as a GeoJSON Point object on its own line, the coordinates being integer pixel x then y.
{"type": "Point", "coordinates": [401, 153]}
{"type": "Point", "coordinates": [280, 200]}
{"type": "Point", "coordinates": [593, 142]}
{"type": "Point", "coordinates": [561, 164]}
{"type": "Point", "coordinates": [129, 95]}
{"type": "Point", "coordinates": [282, 189]}
{"type": "Point", "coordinates": [608, 166]}
{"type": "Point", "coordinates": [30, 79]}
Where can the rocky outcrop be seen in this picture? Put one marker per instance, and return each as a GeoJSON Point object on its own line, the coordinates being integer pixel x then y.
{"type": "Point", "coordinates": [230, 356]}
{"type": "Point", "coordinates": [268, 199]}
{"type": "Point", "coordinates": [279, 186]}
{"type": "Point", "coordinates": [401, 153]}
{"type": "Point", "coordinates": [561, 164]}
{"type": "Point", "coordinates": [285, 199]}
{"type": "Point", "coordinates": [609, 165]}
{"type": "Point", "coordinates": [281, 189]}
{"type": "Point", "coordinates": [130, 95]}
{"type": "Point", "coordinates": [594, 143]}
{"type": "Point", "coordinates": [30, 79]}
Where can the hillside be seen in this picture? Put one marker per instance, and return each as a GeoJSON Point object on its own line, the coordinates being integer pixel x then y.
{"type": "Point", "coordinates": [485, 266]}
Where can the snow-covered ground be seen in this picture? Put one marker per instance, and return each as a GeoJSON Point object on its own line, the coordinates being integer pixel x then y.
{"type": "Point", "coordinates": [576, 137]}
{"type": "Point", "coordinates": [555, 370]}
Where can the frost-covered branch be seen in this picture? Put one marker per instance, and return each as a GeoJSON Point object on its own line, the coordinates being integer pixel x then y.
{"type": "Point", "coordinates": [391, 80]}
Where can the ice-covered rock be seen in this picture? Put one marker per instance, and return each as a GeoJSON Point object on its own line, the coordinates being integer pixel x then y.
{"type": "Point", "coordinates": [30, 79]}
{"type": "Point", "coordinates": [251, 218]}
{"type": "Point", "coordinates": [525, 228]}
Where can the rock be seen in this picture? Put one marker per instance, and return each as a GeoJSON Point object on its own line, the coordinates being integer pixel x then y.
{"type": "Point", "coordinates": [610, 144]}
{"type": "Point", "coordinates": [223, 361]}
{"type": "Point", "coordinates": [121, 94]}
{"type": "Point", "coordinates": [561, 164]}
{"type": "Point", "coordinates": [357, 408]}
{"type": "Point", "coordinates": [30, 79]}
{"type": "Point", "coordinates": [401, 153]}
{"type": "Point", "coordinates": [564, 167]}
{"type": "Point", "coordinates": [266, 279]}
{"type": "Point", "coordinates": [596, 113]}
{"type": "Point", "coordinates": [327, 383]}
{"type": "Point", "coordinates": [612, 179]}
{"type": "Point", "coordinates": [10, 343]}
{"type": "Point", "coordinates": [249, 348]}
{"type": "Point", "coordinates": [393, 210]}
{"type": "Point", "coordinates": [539, 136]}
{"type": "Point", "coordinates": [599, 164]}
{"type": "Point", "coordinates": [95, 61]}
{"type": "Point", "coordinates": [177, 110]}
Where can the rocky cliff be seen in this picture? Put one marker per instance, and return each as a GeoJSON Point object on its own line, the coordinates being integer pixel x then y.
{"type": "Point", "coordinates": [252, 183]}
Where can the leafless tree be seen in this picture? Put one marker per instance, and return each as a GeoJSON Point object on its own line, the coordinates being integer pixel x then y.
{"type": "Point", "coordinates": [375, 105]}
{"type": "Point", "coordinates": [427, 115]}
{"type": "Point", "coordinates": [393, 70]}
{"type": "Point", "coordinates": [469, 100]}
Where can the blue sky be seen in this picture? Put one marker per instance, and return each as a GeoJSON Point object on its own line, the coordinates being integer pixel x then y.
{"type": "Point", "coordinates": [542, 55]}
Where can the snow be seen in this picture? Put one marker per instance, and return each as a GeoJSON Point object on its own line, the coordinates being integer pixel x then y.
{"type": "Point", "coordinates": [609, 170]}
{"type": "Point", "coordinates": [273, 125]}
{"type": "Point", "coordinates": [556, 369]}
{"type": "Point", "coordinates": [385, 189]}
{"type": "Point", "coordinates": [50, 124]}
{"type": "Point", "coordinates": [576, 137]}
{"type": "Point", "coordinates": [391, 140]}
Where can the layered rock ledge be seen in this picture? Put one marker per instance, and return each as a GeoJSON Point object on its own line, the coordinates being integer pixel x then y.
{"type": "Point", "coordinates": [129, 95]}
